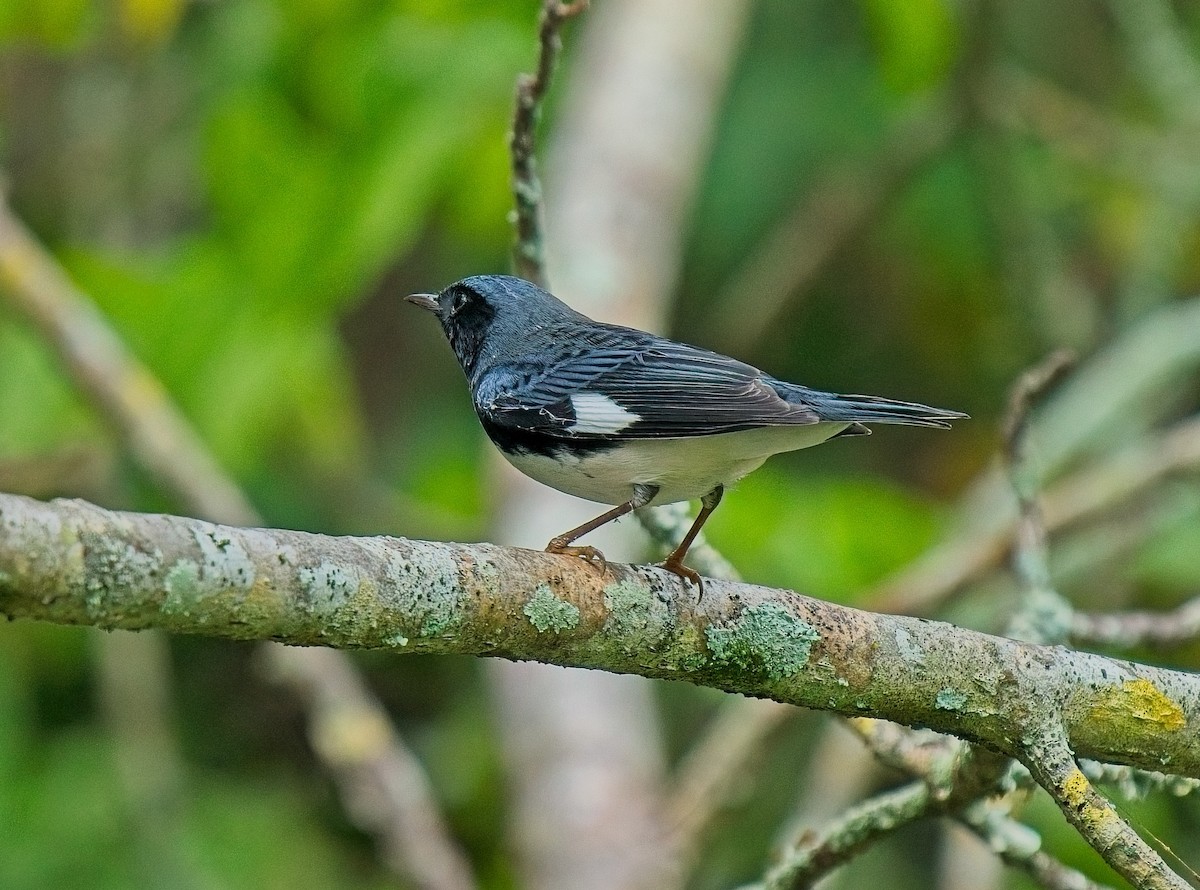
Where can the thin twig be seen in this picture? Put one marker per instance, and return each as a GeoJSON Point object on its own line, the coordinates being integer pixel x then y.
{"type": "Point", "coordinates": [1019, 846]}
{"type": "Point", "coordinates": [165, 444]}
{"type": "Point", "coordinates": [1135, 784]}
{"type": "Point", "coordinates": [934, 758]}
{"type": "Point", "coordinates": [1043, 615]}
{"type": "Point", "coordinates": [815, 853]}
{"type": "Point", "coordinates": [668, 524]}
{"type": "Point", "coordinates": [529, 248]}
{"type": "Point", "coordinates": [1128, 629]}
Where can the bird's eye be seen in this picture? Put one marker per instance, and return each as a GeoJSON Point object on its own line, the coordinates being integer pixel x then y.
{"type": "Point", "coordinates": [460, 302]}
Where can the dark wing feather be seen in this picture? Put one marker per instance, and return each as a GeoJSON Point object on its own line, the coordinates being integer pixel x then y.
{"type": "Point", "coordinates": [656, 388]}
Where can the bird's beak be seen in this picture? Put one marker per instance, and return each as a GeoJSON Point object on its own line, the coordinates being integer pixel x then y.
{"type": "Point", "coordinates": [425, 301]}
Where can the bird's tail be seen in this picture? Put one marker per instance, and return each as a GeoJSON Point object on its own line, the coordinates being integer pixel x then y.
{"type": "Point", "coordinates": [873, 409]}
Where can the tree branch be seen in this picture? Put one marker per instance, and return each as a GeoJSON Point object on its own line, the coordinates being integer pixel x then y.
{"type": "Point", "coordinates": [1127, 629]}
{"type": "Point", "coordinates": [383, 785]}
{"type": "Point", "coordinates": [72, 563]}
{"type": "Point", "coordinates": [1052, 764]}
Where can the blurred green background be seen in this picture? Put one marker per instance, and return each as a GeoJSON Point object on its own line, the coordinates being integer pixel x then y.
{"type": "Point", "coordinates": [247, 188]}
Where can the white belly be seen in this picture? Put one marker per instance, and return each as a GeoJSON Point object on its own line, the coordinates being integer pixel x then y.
{"type": "Point", "coordinates": [683, 469]}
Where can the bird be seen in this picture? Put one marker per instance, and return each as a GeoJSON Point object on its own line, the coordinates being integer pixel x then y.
{"type": "Point", "coordinates": [630, 419]}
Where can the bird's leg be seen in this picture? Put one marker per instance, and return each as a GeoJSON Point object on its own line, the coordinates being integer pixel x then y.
{"type": "Point", "coordinates": [642, 495]}
{"type": "Point", "coordinates": [674, 562]}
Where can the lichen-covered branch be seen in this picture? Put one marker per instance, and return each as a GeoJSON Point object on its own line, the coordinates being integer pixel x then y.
{"type": "Point", "coordinates": [70, 562]}
{"type": "Point", "coordinates": [969, 773]}
{"type": "Point", "coordinates": [1053, 766]}
{"type": "Point", "coordinates": [818, 852]}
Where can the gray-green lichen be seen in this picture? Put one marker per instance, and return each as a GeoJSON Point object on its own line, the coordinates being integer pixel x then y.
{"type": "Point", "coordinates": [182, 587]}
{"type": "Point", "coordinates": [950, 699]}
{"type": "Point", "coordinates": [327, 584]}
{"type": "Point", "coordinates": [908, 648]}
{"type": "Point", "coordinates": [420, 582]}
{"type": "Point", "coordinates": [766, 638]}
{"type": "Point", "coordinates": [113, 568]}
{"type": "Point", "coordinates": [547, 612]}
{"type": "Point", "coordinates": [636, 616]}
{"type": "Point", "coordinates": [225, 561]}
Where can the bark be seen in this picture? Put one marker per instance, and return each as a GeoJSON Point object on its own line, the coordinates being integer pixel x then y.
{"type": "Point", "coordinates": [72, 563]}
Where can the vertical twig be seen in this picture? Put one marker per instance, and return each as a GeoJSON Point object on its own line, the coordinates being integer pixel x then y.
{"type": "Point", "coordinates": [529, 249]}
{"type": "Point", "coordinates": [1043, 616]}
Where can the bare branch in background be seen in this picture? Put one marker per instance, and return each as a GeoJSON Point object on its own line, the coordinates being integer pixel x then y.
{"type": "Point", "coordinates": [1128, 629]}
{"type": "Point", "coordinates": [383, 785]}
{"type": "Point", "coordinates": [129, 396]}
{"type": "Point", "coordinates": [529, 247]}
{"type": "Point", "coordinates": [584, 749]}
{"type": "Point", "coordinates": [716, 766]}
{"type": "Point", "coordinates": [1113, 398]}
{"type": "Point", "coordinates": [933, 758]}
{"type": "Point", "coordinates": [164, 443]}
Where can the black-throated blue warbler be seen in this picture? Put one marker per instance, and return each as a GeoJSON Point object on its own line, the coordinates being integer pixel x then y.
{"type": "Point", "coordinates": [620, 416]}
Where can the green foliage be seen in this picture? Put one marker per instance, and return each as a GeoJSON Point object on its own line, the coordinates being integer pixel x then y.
{"type": "Point", "coordinates": [54, 23]}
{"type": "Point", "coordinates": [916, 41]}
{"type": "Point", "coordinates": [825, 537]}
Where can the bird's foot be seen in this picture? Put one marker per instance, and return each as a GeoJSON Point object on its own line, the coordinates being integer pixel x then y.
{"type": "Point", "coordinates": [677, 567]}
{"type": "Point", "coordinates": [591, 555]}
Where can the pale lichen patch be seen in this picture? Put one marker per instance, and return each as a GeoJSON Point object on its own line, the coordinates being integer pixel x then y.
{"type": "Point", "coordinates": [637, 618]}
{"type": "Point", "coordinates": [327, 585]}
{"type": "Point", "coordinates": [766, 638]}
{"type": "Point", "coordinates": [421, 581]}
{"type": "Point", "coordinates": [224, 561]}
{"type": "Point", "coordinates": [908, 648]}
{"type": "Point", "coordinates": [547, 612]}
{"type": "Point", "coordinates": [950, 699]}
{"type": "Point", "coordinates": [182, 587]}
{"type": "Point", "coordinates": [114, 569]}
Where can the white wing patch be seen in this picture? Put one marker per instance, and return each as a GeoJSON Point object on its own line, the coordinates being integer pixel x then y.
{"type": "Point", "coordinates": [599, 415]}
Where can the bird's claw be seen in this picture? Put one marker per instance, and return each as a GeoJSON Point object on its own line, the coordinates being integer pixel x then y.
{"type": "Point", "coordinates": [590, 555]}
{"type": "Point", "coordinates": [676, 566]}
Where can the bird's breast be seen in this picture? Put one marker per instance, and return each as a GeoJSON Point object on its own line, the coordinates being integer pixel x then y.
{"type": "Point", "coordinates": [606, 471]}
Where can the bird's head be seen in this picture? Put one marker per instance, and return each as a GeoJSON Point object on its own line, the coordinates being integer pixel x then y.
{"type": "Point", "coordinates": [485, 315]}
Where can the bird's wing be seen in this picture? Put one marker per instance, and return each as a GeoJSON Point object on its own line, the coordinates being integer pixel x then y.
{"type": "Point", "coordinates": [620, 383]}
